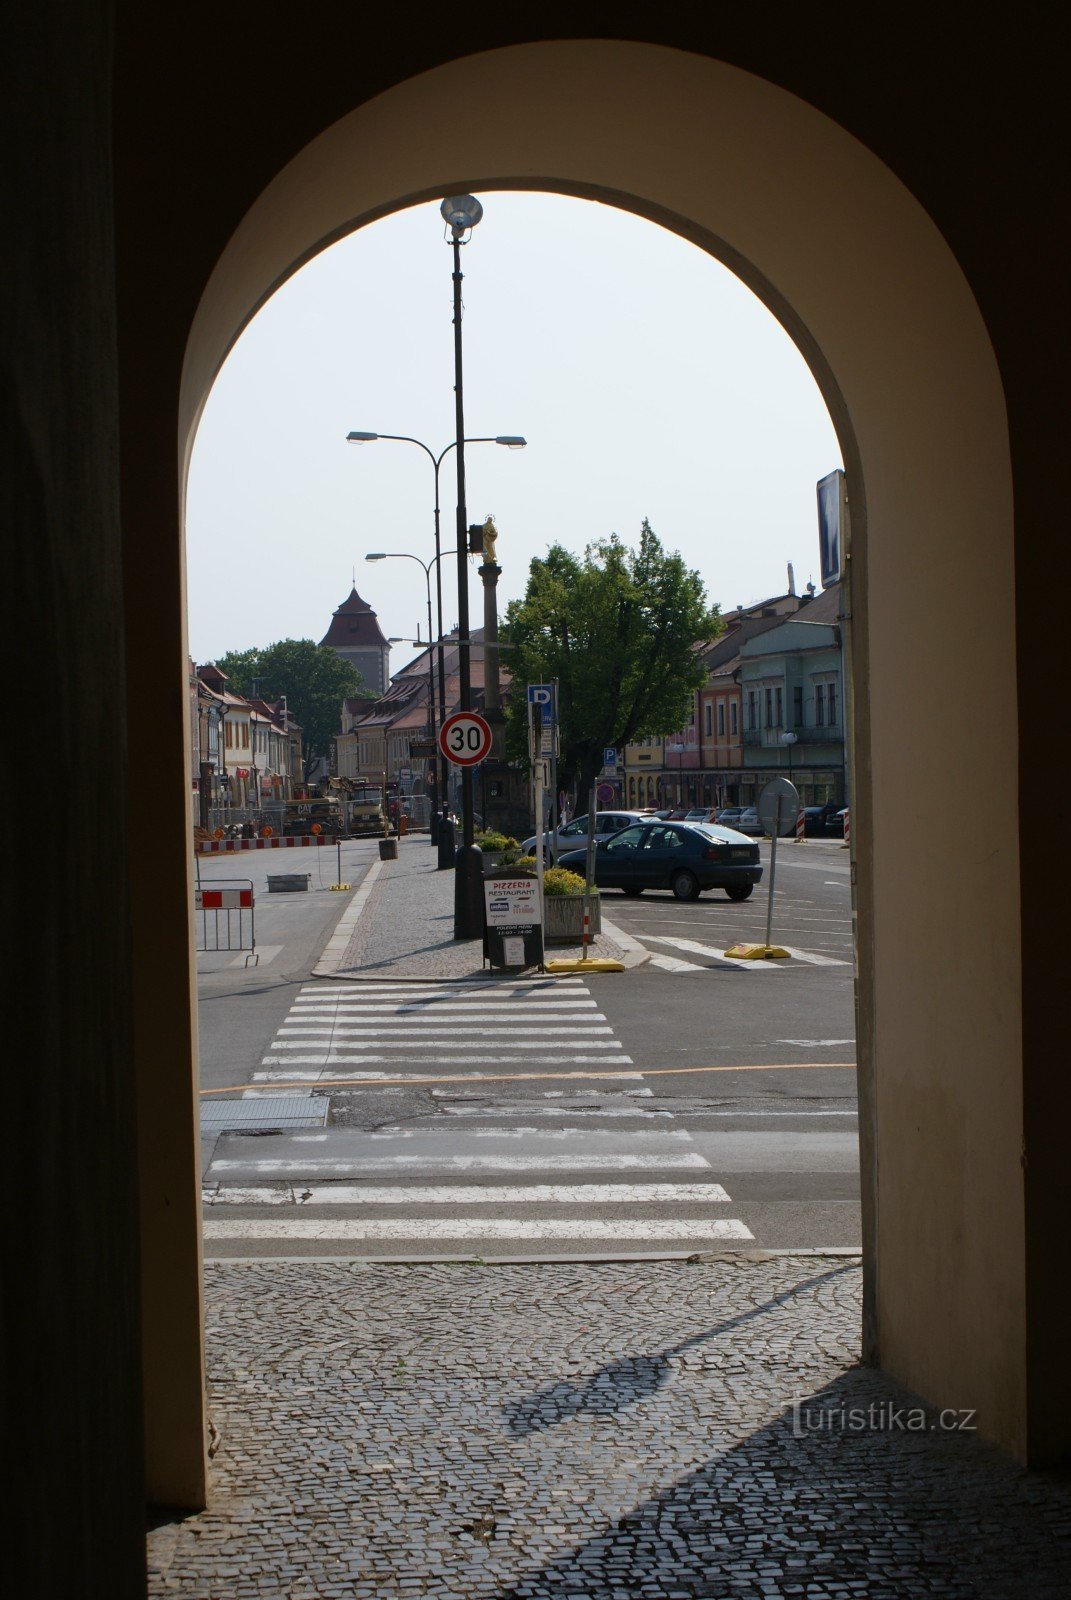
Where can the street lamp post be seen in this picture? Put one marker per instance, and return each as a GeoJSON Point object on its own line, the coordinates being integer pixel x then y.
{"type": "Point", "coordinates": [405, 555]}
{"type": "Point", "coordinates": [678, 751]}
{"type": "Point", "coordinates": [788, 740]}
{"type": "Point", "coordinates": [461, 213]}
{"type": "Point", "coordinates": [512, 441]}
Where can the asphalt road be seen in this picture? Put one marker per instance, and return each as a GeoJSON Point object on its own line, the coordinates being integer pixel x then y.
{"type": "Point", "coordinates": [689, 1104]}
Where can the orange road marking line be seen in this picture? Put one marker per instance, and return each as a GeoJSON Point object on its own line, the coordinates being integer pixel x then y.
{"type": "Point", "coordinates": [530, 1077]}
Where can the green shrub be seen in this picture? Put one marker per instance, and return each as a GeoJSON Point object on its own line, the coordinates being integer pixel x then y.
{"type": "Point", "coordinates": [559, 880]}
{"type": "Point", "coordinates": [490, 840]}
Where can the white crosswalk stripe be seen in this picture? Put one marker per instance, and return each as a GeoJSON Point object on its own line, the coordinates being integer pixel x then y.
{"type": "Point", "coordinates": [716, 960]}
{"type": "Point", "coordinates": [488, 1164]}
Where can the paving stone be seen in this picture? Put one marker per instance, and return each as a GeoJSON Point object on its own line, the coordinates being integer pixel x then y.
{"type": "Point", "coordinates": [624, 1430]}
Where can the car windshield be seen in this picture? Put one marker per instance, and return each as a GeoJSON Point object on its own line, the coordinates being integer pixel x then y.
{"type": "Point", "coordinates": [629, 838]}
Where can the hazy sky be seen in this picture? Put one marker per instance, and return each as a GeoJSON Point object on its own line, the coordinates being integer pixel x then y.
{"type": "Point", "coordinates": [648, 381]}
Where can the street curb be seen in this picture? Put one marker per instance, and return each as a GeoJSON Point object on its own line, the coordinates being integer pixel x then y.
{"type": "Point", "coordinates": [335, 949]}
{"type": "Point", "coordinates": [629, 945]}
{"type": "Point", "coordinates": [697, 1258]}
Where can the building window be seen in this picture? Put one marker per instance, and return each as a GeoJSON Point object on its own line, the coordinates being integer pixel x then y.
{"type": "Point", "coordinates": [769, 708]}
{"type": "Point", "coordinates": [721, 719]}
{"type": "Point", "coordinates": [832, 691]}
{"type": "Point", "coordinates": [752, 709]}
{"type": "Point", "coordinates": [733, 723]}
{"type": "Point", "coordinates": [779, 708]}
{"type": "Point", "coordinates": [819, 705]}
{"type": "Point", "coordinates": [709, 729]}
{"type": "Point", "coordinates": [797, 706]}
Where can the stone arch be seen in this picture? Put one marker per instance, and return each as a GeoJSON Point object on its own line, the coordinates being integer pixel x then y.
{"type": "Point", "coordinates": [861, 278]}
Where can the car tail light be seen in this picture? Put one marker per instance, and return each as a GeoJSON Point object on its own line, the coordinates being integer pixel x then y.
{"type": "Point", "coordinates": [714, 852]}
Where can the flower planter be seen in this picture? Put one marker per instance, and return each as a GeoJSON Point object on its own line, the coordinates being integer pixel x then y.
{"type": "Point", "coordinates": [388, 849]}
{"type": "Point", "coordinates": [564, 918]}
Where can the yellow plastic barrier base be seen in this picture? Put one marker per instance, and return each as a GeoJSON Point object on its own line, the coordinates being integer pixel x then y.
{"type": "Point", "coordinates": [339, 885]}
{"type": "Point", "coordinates": [593, 964]}
{"type": "Point", "coordinates": [758, 952]}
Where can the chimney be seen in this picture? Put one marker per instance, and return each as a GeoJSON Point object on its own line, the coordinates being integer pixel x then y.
{"type": "Point", "coordinates": [791, 579]}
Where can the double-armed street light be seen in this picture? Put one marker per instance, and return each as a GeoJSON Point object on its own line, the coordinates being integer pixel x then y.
{"type": "Point", "coordinates": [511, 441]}
{"type": "Point", "coordinates": [405, 555]}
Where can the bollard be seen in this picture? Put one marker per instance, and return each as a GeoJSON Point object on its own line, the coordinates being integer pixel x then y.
{"type": "Point", "coordinates": [447, 845]}
{"type": "Point", "coordinates": [801, 833]}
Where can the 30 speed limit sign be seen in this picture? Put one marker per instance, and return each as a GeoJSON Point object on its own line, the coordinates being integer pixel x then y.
{"type": "Point", "coordinates": [465, 739]}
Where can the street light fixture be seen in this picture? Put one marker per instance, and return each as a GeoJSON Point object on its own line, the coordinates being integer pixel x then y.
{"type": "Point", "coordinates": [511, 441]}
{"type": "Point", "coordinates": [405, 555]}
{"type": "Point", "coordinates": [678, 751]}
{"type": "Point", "coordinates": [788, 740]}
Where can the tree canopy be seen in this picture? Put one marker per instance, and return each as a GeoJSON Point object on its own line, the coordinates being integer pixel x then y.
{"type": "Point", "coordinates": [618, 631]}
{"type": "Point", "coordinates": [314, 679]}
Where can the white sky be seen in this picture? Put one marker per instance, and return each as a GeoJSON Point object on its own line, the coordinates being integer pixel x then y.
{"type": "Point", "coordinates": [647, 380]}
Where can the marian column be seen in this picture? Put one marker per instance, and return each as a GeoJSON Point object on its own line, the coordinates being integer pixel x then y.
{"type": "Point", "coordinates": [503, 793]}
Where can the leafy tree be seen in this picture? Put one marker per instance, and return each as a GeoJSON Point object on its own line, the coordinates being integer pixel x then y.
{"type": "Point", "coordinates": [617, 630]}
{"type": "Point", "coordinates": [314, 679]}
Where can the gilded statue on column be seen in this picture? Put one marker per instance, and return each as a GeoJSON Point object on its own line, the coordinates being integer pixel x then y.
{"type": "Point", "coordinates": [490, 539]}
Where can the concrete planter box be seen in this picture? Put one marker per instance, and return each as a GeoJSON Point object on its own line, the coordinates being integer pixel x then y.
{"type": "Point", "coordinates": [564, 915]}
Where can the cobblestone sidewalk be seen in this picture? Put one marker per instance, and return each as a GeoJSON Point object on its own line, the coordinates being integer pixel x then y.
{"type": "Point", "coordinates": [401, 924]}
{"type": "Point", "coordinates": [669, 1431]}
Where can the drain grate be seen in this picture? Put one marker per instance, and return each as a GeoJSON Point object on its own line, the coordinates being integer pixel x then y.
{"type": "Point", "coordinates": [264, 1116]}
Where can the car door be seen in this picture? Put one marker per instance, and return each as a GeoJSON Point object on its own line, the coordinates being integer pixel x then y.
{"type": "Point", "coordinates": [665, 849]}
{"type": "Point", "coordinates": [618, 860]}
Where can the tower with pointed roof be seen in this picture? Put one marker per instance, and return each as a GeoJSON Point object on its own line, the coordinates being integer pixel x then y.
{"type": "Point", "coordinates": [356, 636]}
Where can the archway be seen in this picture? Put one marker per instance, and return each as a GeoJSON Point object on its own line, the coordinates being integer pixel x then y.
{"type": "Point", "coordinates": [845, 257]}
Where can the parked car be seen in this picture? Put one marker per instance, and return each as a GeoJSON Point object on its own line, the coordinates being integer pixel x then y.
{"type": "Point", "coordinates": [704, 814]}
{"type": "Point", "coordinates": [727, 816]}
{"type": "Point", "coordinates": [747, 821]}
{"type": "Point", "coordinates": [817, 820]}
{"type": "Point", "coordinates": [687, 857]}
{"type": "Point", "coordinates": [575, 833]}
{"type": "Point", "coordinates": [838, 822]}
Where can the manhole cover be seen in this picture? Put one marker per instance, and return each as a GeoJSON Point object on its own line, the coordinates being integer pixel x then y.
{"type": "Point", "coordinates": [261, 1116]}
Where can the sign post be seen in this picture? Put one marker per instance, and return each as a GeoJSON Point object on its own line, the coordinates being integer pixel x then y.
{"type": "Point", "coordinates": [778, 808]}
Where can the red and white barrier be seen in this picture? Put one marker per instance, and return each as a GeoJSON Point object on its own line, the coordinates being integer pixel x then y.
{"type": "Point", "coordinates": [290, 841]}
{"type": "Point", "coordinates": [800, 833]}
{"type": "Point", "coordinates": [223, 899]}
{"type": "Point", "coordinates": [847, 830]}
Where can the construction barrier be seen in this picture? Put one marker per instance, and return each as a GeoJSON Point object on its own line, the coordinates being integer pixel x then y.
{"type": "Point", "coordinates": [295, 841]}
{"type": "Point", "coordinates": [847, 832]}
{"type": "Point", "coordinates": [800, 831]}
{"type": "Point", "coordinates": [225, 918]}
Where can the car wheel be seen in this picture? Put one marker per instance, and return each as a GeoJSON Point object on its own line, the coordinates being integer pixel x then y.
{"type": "Point", "coordinates": [632, 890]}
{"type": "Point", "coordinates": [740, 891]}
{"type": "Point", "coordinates": [685, 886]}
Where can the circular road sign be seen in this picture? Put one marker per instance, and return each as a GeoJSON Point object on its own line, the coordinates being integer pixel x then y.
{"type": "Point", "coordinates": [465, 739]}
{"type": "Point", "coordinates": [604, 793]}
{"type": "Point", "coordinates": [783, 821]}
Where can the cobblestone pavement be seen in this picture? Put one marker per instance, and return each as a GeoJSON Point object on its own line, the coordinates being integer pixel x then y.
{"type": "Point", "coordinates": [404, 927]}
{"type": "Point", "coordinates": [584, 1433]}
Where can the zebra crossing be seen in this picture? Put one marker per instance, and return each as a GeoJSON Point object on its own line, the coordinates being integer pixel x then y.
{"type": "Point", "coordinates": [528, 1131]}
{"type": "Point", "coordinates": [714, 958]}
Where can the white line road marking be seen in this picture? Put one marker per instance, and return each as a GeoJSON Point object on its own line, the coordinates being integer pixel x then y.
{"type": "Point", "coordinates": [419, 1043]}
{"type": "Point", "coordinates": [816, 961]}
{"type": "Point", "coordinates": [580, 1162]}
{"type": "Point", "coordinates": [425, 1229]}
{"type": "Point", "coordinates": [342, 1058]}
{"type": "Point", "coordinates": [692, 946]}
{"type": "Point", "coordinates": [324, 1077]}
{"type": "Point", "coordinates": [813, 1044]}
{"type": "Point", "coordinates": [671, 964]}
{"type": "Point", "coordinates": [428, 1027]}
{"type": "Point", "coordinates": [471, 1195]}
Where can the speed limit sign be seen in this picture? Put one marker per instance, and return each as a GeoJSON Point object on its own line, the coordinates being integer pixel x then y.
{"type": "Point", "coordinates": [465, 739]}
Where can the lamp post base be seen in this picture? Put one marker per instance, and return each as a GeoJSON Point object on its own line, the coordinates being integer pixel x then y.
{"type": "Point", "coordinates": [468, 893]}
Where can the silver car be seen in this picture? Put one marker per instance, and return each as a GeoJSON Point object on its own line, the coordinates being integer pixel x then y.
{"type": "Point", "coordinates": [574, 835]}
